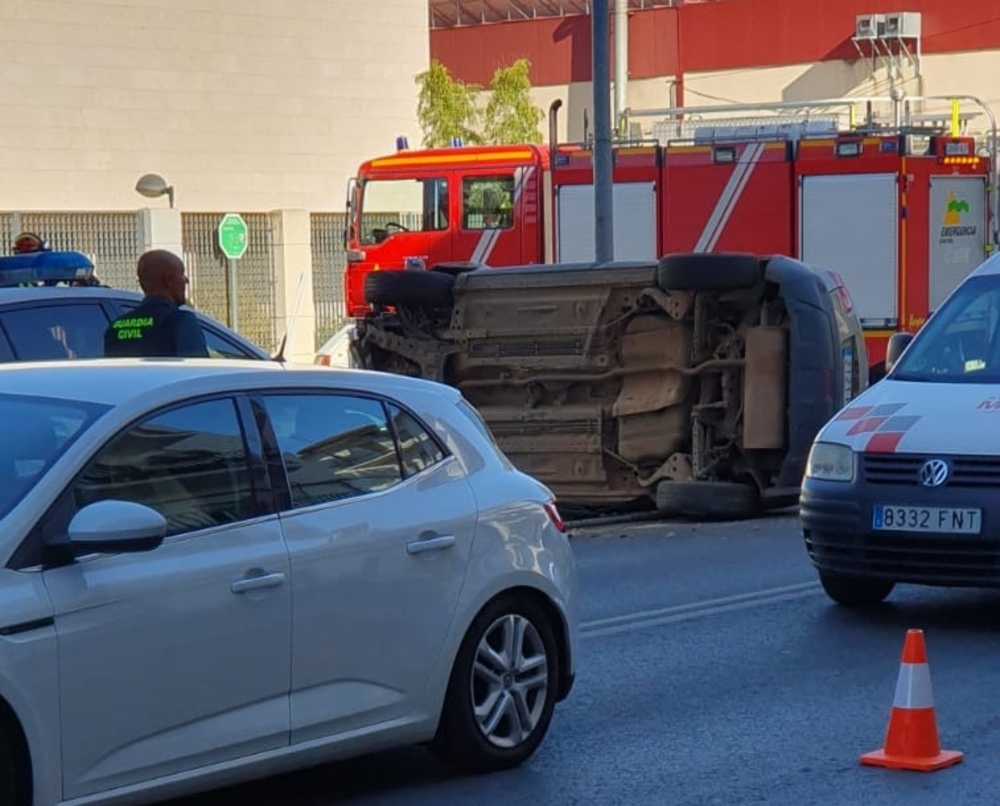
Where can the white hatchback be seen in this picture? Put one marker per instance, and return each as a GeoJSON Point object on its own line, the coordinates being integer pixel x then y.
{"type": "Point", "coordinates": [214, 571]}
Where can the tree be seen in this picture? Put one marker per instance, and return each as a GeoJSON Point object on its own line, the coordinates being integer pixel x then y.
{"type": "Point", "coordinates": [447, 107]}
{"type": "Point", "coordinates": [511, 116]}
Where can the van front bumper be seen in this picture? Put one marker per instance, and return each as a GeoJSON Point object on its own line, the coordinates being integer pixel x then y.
{"type": "Point", "coordinates": [837, 524]}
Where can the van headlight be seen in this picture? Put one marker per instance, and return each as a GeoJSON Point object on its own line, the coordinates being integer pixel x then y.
{"type": "Point", "coordinates": [830, 462]}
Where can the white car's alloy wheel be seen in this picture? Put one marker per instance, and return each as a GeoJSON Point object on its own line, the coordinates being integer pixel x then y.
{"type": "Point", "coordinates": [503, 688]}
{"type": "Point", "coordinates": [510, 681]}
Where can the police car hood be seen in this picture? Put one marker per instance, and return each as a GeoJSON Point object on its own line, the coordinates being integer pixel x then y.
{"type": "Point", "coordinates": [912, 417]}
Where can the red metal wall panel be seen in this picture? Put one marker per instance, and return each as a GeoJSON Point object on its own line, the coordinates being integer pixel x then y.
{"type": "Point", "coordinates": [559, 49]}
{"type": "Point", "coordinates": [726, 35]}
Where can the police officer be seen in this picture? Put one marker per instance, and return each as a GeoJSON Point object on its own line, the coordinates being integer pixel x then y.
{"type": "Point", "coordinates": [27, 242]}
{"type": "Point", "coordinates": [157, 327]}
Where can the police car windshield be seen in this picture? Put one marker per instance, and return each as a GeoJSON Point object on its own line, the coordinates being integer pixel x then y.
{"type": "Point", "coordinates": [34, 433]}
{"type": "Point", "coordinates": [961, 342]}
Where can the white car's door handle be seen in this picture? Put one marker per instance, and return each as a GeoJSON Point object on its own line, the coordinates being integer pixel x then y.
{"type": "Point", "coordinates": [257, 582]}
{"type": "Point", "coordinates": [436, 543]}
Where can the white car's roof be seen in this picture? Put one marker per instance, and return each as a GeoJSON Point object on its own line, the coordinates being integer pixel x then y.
{"type": "Point", "coordinates": [119, 381]}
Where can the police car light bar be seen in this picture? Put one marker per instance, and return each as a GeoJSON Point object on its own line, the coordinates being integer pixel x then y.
{"type": "Point", "coordinates": [44, 267]}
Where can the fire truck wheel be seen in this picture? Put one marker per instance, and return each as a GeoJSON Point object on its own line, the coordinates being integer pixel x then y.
{"type": "Point", "coordinates": [715, 500]}
{"type": "Point", "coordinates": [417, 289]}
{"type": "Point", "coordinates": [709, 272]}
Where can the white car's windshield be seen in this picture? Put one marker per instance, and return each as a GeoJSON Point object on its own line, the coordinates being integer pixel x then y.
{"type": "Point", "coordinates": [34, 433]}
{"type": "Point", "coordinates": [961, 341]}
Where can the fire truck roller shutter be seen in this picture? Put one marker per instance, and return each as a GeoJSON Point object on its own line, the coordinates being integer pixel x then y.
{"type": "Point", "coordinates": [709, 271]}
{"type": "Point", "coordinates": [850, 224]}
{"type": "Point", "coordinates": [634, 222]}
{"type": "Point", "coordinates": [418, 289]}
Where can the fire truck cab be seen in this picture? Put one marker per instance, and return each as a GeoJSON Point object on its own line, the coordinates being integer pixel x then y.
{"type": "Point", "coordinates": [416, 209]}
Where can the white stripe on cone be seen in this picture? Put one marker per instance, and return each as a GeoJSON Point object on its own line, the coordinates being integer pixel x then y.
{"type": "Point", "coordinates": [913, 686]}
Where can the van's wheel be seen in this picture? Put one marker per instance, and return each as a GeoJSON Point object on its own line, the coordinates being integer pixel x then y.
{"type": "Point", "coordinates": [709, 271]}
{"type": "Point", "coordinates": [15, 786]}
{"type": "Point", "coordinates": [718, 500]}
{"type": "Point", "coordinates": [416, 289]}
{"type": "Point", "coordinates": [502, 690]}
{"type": "Point", "coordinates": [853, 591]}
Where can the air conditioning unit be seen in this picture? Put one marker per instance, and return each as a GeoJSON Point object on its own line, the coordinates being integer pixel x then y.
{"type": "Point", "coordinates": [869, 26]}
{"type": "Point", "coordinates": [903, 25]}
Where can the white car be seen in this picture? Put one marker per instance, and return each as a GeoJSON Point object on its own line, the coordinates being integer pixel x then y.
{"type": "Point", "coordinates": [218, 570]}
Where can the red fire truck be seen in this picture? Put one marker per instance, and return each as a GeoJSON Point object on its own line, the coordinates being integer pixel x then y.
{"type": "Point", "coordinates": [901, 214]}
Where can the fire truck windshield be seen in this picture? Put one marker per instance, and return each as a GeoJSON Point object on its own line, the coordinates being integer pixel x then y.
{"type": "Point", "coordinates": [388, 206]}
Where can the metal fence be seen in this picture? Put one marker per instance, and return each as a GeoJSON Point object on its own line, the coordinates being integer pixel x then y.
{"type": "Point", "coordinates": [112, 240]}
{"type": "Point", "coordinates": [208, 269]}
{"type": "Point", "coordinates": [329, 260]}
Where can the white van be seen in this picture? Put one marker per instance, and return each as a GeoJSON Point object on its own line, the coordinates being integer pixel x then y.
{"type": "Point", "coordinates": [903, 484]}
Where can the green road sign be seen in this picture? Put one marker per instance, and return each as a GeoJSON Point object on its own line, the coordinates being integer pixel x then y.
{"type": "Point", "coordinates": [233, 236]}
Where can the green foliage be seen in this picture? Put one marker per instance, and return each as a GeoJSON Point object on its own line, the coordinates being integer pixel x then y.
{"type": "Point", "coordinates": [448, 107]}
{"type": "Point", "coordinates": [510, 115]}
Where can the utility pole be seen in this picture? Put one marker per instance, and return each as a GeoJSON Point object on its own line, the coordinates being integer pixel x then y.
{"type": "Point", "coordinates": [604, 236]}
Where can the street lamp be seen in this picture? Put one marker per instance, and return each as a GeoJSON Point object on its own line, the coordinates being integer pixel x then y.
{"type": "Point", "coordinates": [153, 186]}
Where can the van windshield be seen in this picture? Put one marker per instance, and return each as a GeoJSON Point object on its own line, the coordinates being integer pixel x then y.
{"type": "Point", "coordinates": [388, 206]}
{"type": "Point", "coordinates": [961, 342]}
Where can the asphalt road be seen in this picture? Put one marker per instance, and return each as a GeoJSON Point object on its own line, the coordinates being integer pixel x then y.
{"type": "Point", "coordinates": [715, 672]}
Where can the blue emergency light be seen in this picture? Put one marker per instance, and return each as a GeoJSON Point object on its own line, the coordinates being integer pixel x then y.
{"type": "Point", "coordinates": [47, 268]}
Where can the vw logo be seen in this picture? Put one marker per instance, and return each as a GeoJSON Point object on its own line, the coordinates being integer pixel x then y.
{"type": "Point", "coordinates": [934, 473]}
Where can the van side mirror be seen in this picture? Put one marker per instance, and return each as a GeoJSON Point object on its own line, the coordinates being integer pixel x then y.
{"type": "Point", "coordinates": [897, 343]}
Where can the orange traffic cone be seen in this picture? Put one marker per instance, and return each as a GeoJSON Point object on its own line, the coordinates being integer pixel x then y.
{"type": "Point", "coordinates": [911, 742]}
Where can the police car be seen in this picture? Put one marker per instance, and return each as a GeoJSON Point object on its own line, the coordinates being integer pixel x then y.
{"type": "Point", "coordinates": [902, 485]}
{"type": "Point", "coordinates": [50, 309]}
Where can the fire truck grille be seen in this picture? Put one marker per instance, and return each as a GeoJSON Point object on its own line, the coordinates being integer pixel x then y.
{"type": "Point", "coordinates": [966, 471]}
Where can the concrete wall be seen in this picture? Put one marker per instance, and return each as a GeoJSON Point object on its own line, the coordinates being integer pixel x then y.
{"type": "Point", "coordinates": [240, 104]}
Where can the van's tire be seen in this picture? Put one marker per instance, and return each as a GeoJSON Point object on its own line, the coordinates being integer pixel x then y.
{"type": "Point", "coordinates": [711, 500]}
{"type": "Point", "coordinates": [410, 289]}
{"type": "Point", "coordinates": [855, 592]}
{"type": "Point", "coordinates": [709, 271]}
{"type": "Point", "coordinates": [15, 783]}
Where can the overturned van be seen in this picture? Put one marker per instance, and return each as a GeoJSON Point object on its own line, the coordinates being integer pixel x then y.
{"type": "Point", "coordinates": [695, 384]}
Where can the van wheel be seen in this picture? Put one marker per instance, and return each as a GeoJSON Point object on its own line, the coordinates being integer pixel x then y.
{"type": "Point", "coordinates": [414, 289]}
{"type": "Point", "coordinates": [502, 690]}
{"type": "Point", "coordinates": [717, 500]}
{"type": "Point", "coordinates": [709, 271]}
{"type": "Point", "coordinates": [853, 591]}
{"type": "Point", "coordinates": [15, 785]}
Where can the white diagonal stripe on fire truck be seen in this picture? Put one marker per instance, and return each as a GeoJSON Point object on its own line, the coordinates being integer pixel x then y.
{"type": "Point", "coordinates": [757, 149]}
{"type": "Point", "coordinates": [730, 194]}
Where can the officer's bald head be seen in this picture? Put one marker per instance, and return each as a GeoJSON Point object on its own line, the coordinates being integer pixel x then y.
{"type": "Point", "coordinates": [161, 274]}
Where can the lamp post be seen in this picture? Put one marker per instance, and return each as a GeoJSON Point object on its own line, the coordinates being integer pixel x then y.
{"type": "Point", "coordinates": [153, 186]}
